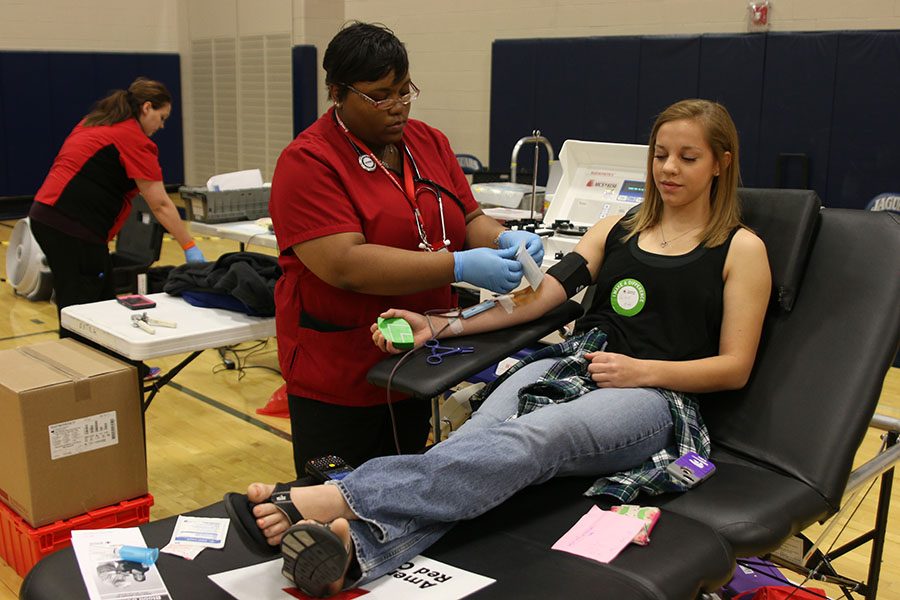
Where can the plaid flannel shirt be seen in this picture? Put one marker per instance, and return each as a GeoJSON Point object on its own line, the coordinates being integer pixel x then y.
{"type": "Point", "coordinates": [568, 379]}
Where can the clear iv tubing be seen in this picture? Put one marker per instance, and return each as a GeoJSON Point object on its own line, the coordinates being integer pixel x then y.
{"type": "Point", "coordinates": [427, 314]}
{"type": "Point", "coordinates": [536, 134]}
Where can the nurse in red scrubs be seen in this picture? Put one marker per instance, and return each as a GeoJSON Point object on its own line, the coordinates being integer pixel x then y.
{"type": "Point", "coordinates": [371, 210]}
{"type": "Point", "coordinates": [106, 160]}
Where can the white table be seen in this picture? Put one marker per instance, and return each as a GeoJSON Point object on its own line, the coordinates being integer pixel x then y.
{"type": "Point", "coordinates": [109, 324]}
{"type": "Point", "coordinates": [245, 232]}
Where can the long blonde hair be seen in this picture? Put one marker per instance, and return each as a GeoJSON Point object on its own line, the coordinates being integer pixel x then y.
{"type": "Point", "coordinates": [126, 104]}
{"type": "Point", "coordinates": [721, 135]}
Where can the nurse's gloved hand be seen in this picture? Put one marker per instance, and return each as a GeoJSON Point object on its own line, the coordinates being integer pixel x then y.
{"type": "Point", "coordinates": [533, 243]}
{"type": "Point", "coordinates": [496, 270]}
{"type": "Point", "coordinates": [194, 255]}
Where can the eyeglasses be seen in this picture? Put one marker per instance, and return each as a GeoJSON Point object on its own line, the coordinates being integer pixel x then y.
{"type": "Point", "coordinates": [387, 103]}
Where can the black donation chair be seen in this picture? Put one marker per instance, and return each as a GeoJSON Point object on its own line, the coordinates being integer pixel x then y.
{"type": "Point", "coordinates": [783, 445]}
{"type": "Point", "coordinates": [138, 245]}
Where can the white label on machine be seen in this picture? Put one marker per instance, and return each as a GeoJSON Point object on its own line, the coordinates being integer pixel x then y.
{"type": "Point", "coordinates": [599, 193]}
{"type": "Point", "coordinates": [83, 435]}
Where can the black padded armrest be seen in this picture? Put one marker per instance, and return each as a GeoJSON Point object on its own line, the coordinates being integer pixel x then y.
{"type": "Point", "coordinates": [786, 221]}
{"type": "Point", "coordinates": [418, 378]}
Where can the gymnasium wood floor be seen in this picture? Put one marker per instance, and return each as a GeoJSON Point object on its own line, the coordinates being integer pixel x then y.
{"type": "Point", "coordinates": [204, 437]}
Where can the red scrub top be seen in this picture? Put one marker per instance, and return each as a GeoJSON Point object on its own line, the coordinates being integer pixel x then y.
{"type": "Point", "coordinates": [92, 178]}
{"type": "Point", "coordinates": [319, 188]}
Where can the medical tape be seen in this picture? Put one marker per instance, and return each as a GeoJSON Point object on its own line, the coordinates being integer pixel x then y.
{"type": "Point", "coordinates": [81, 383]}
{"type": "Point", "coordinates": [506, 302]}
{"type": "Point", "coordinates": [455, 325]}
{"type": "Point", "coordinates": [532, 270]}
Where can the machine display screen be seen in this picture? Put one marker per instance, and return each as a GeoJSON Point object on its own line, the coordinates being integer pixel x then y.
{"type": "Point", "coordinates": [631, 190]}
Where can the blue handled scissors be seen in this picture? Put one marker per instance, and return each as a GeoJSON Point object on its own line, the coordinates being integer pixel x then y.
{"type": "Point", "coordinates": [438, 352]}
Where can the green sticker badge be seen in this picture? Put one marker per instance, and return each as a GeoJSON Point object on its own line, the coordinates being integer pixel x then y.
{"type": "Point", "coordinates": [628, 297]}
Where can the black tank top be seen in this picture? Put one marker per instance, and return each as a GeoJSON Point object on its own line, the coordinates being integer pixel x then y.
{"type": "Point", "coordinates": [653, 306]}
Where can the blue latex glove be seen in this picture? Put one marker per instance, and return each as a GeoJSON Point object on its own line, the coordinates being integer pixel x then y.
{"type": "Point", "coordinates": [194, 255]}
{"type": "Point", "coordinates": [533, 243]}
{"type": "Point", "coordinates": [496, 270]}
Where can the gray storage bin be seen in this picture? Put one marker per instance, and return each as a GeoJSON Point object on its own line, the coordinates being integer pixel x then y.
{"type": "Point", "coordinates": [222, 207]}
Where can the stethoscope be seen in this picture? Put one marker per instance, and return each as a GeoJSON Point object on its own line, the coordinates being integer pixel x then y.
{"type": "Point", "coordinates": [412, 187]}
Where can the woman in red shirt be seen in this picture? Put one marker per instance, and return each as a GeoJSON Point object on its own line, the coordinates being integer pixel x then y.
{"type": "Point", "coordinates": [106, 161]}
{"type": "Point", "coordinates": [371, 210]}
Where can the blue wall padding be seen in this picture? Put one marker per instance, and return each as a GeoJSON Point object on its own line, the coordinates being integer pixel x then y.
{"type": "Point", "coordinates": [610, 112]}
{"type": "Point", "coordinates": [167, 68]}
{"type": "Point", "coordinates": [559, 66]}
{"type": "Point", "coordinates": [513, 73]}
{"type": "Point", "coordinates": [27, 117]}
{"type": "Point", "coordinates": [571, 112]}
{"type": "Point", "coordinates": [4, 169]}
{"type": "Point", "coordinates": [669, 71]}
{"type": "Point", "coordinates": [306, 85]}
{"type": "Point", "coordinates": [44, 94]}
{"type": "Point", "coordinates": [795, 117]}
{"type": "Point", "coordinates": [829, 96]}
{"type": "Point", "coordinates": [4, 179]}
{"type": "Point", "coordinates": [865, 151]}
{"type": "Point", "coordinates": [731, 72]}
{"type": "Point", "coordinates": [70, 99]}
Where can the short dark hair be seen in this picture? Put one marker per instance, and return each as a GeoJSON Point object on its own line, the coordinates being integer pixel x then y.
{"type": "Point", "coordinates": [364, 52]}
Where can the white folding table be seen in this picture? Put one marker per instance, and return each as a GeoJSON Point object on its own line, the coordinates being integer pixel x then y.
{"type": "Point", "coordinates": [110, 325]}
{"type": "Point", "coordinates": [245, 232]}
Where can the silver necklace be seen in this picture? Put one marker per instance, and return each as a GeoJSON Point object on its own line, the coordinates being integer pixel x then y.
{"type": "Point", "coordinates": [387, 155]}
{"type": "Point", "coordinates": [666, 242]}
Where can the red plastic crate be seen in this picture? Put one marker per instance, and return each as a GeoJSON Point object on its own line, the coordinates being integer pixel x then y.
{"type": "Point", "coordinates": [22, 546]}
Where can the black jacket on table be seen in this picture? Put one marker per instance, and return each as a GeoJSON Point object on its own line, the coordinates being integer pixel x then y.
{"type": "Point", "coordinates": [240, 281]}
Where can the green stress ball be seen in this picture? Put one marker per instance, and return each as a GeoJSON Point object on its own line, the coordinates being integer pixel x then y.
{"type": "Point", "coordinates": [397, 331]}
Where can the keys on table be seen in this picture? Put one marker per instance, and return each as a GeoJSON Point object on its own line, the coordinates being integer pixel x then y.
{"type": "Point", "coordinates": [146, 322]}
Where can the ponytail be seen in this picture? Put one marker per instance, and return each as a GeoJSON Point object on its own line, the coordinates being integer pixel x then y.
{"type": "Point", "coordinates": [125, 104]}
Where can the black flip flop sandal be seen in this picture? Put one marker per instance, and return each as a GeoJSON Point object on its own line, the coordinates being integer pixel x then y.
{"type": "Point", "coordinates": [314, 556]}
{"type": "Point", "coordinates": [240, 511]}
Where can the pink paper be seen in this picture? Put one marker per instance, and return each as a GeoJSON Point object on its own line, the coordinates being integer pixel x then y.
{"type": "Point", "coordinates": [599, 535]}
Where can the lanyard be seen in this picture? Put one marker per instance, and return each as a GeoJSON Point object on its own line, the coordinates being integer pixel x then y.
{"type": "Point", "coordinates": [369, 162]}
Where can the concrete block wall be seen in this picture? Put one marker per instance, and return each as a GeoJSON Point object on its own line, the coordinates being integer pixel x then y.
{"type": "Point", "coordinates": [449, 42]}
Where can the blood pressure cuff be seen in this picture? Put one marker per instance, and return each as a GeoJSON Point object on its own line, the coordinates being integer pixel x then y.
{"type": "Point", "coordinates": [572, 273]}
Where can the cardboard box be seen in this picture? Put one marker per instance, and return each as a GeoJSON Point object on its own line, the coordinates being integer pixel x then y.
{"type": "Point", "coordinates": [71, 431]}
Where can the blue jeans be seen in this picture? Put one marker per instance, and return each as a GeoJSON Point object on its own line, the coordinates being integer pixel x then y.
{"type": "Point", "coordinates": [406, 503]}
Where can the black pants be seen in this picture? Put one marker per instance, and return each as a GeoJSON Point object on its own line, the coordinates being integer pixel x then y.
{"type": "Point", "coordinates": [355, 433]}
{"type": "Point", "coordinates": [82, 272]}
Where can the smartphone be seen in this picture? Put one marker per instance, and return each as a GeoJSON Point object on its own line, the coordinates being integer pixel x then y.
{"type": "Point", "coordinates": [327, 468]}
{"type": "Point", "coordinates": [135, 301]}
{"type": "Point", "coordinates": [690, 469]}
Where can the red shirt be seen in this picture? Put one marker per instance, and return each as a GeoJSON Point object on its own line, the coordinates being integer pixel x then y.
{"type": "Point", "coordinates": [92, 178]}
{"type": "Point", "coordinates": [320, 189]}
